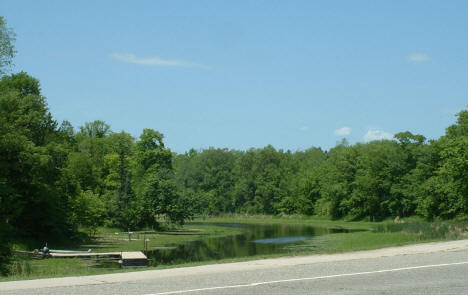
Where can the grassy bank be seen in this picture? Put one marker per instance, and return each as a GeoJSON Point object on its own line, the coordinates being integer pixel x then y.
{"type": "Point", "coordinates": [367, 235]}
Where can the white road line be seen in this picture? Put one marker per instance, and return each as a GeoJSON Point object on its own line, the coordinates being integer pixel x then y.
{"type": "Point", "coordinates": [308, 279]}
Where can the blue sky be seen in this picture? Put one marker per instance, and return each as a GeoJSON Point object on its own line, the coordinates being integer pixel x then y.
{"type": "Point", "coordinates": [241, 74]}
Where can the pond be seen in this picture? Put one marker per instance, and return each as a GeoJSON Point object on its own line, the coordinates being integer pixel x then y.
{"type": "Point", "coordinates": [255, 239]}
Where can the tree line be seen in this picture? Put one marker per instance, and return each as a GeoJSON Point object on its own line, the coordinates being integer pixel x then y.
{"type": "Point", "coordinates": [386, 178]}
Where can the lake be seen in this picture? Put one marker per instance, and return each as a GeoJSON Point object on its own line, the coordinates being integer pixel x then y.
{"type": "Point", "coordinates": [254, 240]}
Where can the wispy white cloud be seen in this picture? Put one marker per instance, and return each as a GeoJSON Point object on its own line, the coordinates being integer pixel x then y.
{"type": "Point", "coordinates": [304, 128]}
{"type": "Point", "coordinates": [156, 61]}
{"type": "Point", "coordinates": [377, 134]}
{"type": "Point", "coordinates": [342, 131]}
{"type": "Point", "coordinates": [418, 58]}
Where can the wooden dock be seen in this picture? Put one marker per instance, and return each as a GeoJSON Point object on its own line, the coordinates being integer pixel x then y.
{"type": "Point", "coordinates": [136, 258]}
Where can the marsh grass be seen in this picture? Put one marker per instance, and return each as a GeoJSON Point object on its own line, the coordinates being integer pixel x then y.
{"type": "Point", "coordinates": [439, 230]}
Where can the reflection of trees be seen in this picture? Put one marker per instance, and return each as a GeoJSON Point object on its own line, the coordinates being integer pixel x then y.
{"type": "Point", "coordinates": [241, 245]}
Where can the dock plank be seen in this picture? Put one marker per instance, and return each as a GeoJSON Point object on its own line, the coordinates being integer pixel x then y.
{"type": "Point", "coordinates": [133, 255]}
{"type": "Point", "coordinates": [134, 259]}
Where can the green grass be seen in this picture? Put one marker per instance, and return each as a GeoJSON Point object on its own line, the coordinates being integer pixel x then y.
{"type": "Point", "coordinates": [341, 242]}
{"type": "Point", "coordinates": [373, 235]}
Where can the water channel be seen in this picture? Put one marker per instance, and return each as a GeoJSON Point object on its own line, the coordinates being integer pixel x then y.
{"type": "Point", "coordinates": [254, 240]}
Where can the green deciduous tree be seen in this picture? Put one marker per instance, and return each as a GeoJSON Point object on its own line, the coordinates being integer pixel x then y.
{"type": "Point", "coordinates": [88, 210]}
{"type": "Point", "coordinates": [30, 160]}
{"type": "Point", "coordinates": [446, 191]}
{"type": "Point", "coordinates": [153, 180]}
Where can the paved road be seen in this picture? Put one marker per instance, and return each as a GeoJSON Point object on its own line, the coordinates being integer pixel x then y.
{"type": "Point", "coordinates": [440, 268]}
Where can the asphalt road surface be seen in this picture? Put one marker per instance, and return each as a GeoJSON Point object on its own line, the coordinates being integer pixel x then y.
{"type": "Point", "coordinates": [435, 268]}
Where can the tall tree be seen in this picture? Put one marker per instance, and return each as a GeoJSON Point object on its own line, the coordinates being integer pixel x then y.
{"type": "Point", "coordinates": [7, 52]}
{"type": "Point", "coordinates": [156, 193]}
{"type": "Point", "coordinates": [7, 49]}
{"type": "Point", "coordinates": [30, 160]}
{"type": "Point", "coordinates": [118, 173]}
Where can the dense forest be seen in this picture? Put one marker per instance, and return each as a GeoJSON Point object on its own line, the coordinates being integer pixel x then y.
{"type": "Point", "coordinates": [402, 177]}
{"type": "Point", "coordinates": [56, 179]}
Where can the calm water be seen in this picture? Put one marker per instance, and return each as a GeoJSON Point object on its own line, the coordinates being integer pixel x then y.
{"type": "Point", "coordinates": [254, 240]}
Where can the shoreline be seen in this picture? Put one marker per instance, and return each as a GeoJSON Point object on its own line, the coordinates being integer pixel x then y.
{"type": "Point", "coordinates": [423, 248]}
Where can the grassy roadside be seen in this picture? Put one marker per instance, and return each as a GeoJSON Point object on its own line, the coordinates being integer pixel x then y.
{"type": "Point", "coordinates": [377, 235]}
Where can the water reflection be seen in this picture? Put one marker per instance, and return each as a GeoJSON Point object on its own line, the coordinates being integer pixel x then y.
{"type": "Point", "coordinates": [255, 240]}
{"type": "Point", "coordinates": [282, 240]}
